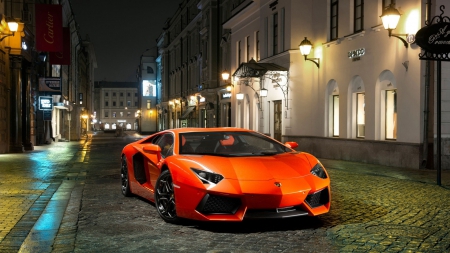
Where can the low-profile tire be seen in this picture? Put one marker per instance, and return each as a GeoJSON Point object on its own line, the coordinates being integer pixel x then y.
{"type": "Point", "coordinates": [165, 198]}
{"type": "Point", "coordinates": [125, 182]}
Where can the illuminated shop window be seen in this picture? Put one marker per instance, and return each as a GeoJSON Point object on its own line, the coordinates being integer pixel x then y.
{"type": "Point", "coordinates": [335, 115]}
{"type": "Point", "coordinates": [121, 114]}
{"type": "Point", "coordinates": [114, 114]}
{"type": "Point", "coordinates": [149, 88]}
{"type": "Point", "coordinates": [391, 114]}
{"type": "Point", "coordinates": [360, 115]}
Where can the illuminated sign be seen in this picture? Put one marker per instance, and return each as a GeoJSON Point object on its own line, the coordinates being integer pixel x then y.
{"type": "Point", "coordinates": [226, 95]}
{"type": "Point", "coordinates": [356, 53]}
{"type": "Point", "coordinates": [46, 103]}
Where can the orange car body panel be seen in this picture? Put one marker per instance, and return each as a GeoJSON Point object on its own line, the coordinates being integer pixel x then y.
{"type": "Point", "coordinates": [252, 179]}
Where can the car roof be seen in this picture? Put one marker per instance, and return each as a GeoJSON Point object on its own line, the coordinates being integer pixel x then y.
{"type": "Point", "coordinates": [214, 129]}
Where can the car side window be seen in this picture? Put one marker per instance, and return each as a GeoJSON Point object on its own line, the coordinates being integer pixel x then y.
{"type": "Point", "coordinates": [166, 145]}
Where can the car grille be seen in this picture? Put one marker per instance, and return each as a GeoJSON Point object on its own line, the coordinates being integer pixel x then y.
{"type": "Point", "coordinates": [318, 198]}
{"type": "Point", "coordinates": [214, 204]}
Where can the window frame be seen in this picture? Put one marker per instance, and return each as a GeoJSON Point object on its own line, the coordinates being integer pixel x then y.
{"type": "Point", "coordinates": [334, 27]}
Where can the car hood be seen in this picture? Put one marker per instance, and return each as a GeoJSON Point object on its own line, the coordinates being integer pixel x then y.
{"type": "Point", "coordinates": [254, 168]}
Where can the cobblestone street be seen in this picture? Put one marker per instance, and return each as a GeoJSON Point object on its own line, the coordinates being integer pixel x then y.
{"type": "Point", "coordinates": [66, 198]}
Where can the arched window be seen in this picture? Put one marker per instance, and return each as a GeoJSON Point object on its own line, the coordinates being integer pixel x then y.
{"type": "Point", "coordinates": [386, 103]}
{"type": "Point", "coordinates": [357, 105]}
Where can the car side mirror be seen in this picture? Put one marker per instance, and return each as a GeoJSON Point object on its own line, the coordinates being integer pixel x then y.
{"type": "Point", "coordinates": [152, 149]}
{"type": "Point", "coordinates": [291, 144]}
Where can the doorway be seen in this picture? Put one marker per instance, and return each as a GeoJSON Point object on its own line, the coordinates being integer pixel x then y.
{"type": "Point", "coordinates": [277, 121]}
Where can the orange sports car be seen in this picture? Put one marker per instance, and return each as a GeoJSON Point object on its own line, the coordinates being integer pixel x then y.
{"type": "Point", "coordinates": [224, 174]}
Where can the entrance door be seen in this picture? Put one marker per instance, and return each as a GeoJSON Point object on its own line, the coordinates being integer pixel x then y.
{"type": "Point", "coordinates": [277, 121]}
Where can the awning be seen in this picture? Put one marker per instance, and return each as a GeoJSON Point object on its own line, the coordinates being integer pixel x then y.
{"type": "Point", "coordinates": [187, 112]}
{"type": "Point", "coordinates": [254, 69]}
{"type": "Point", "coordinates": [60, 106]}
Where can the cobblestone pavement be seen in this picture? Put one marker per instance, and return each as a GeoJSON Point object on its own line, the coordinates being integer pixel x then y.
{"type": "Point", "coordinates": [72, 203]}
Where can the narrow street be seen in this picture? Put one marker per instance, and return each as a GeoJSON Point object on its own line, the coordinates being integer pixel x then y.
{"type": "Point", "coordinates": [65, 197]}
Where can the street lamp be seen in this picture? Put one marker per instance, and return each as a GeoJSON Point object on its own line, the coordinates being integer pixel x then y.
{"type": "Point", "coordinates": [13, 26]}
{"type": "Point", "coordinates": [390, 17]}
{"type": "Point", "coordinates": [305, 48]}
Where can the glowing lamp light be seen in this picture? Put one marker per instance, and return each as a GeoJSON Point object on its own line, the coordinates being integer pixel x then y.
{"type": "Point", "coordinates": [390, 17]}
{"type": "Point", "coordinates": [240, 96]}
{"type": "Point", "coordinates": [263, 92]}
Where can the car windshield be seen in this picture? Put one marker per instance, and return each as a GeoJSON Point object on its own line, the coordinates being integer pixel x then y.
{"type": "Point", "coordinates": [229, 144]}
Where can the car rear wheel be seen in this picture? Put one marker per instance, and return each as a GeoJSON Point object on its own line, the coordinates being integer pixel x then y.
{"type": "Point", "coordinates": [126, 191]}
{"type": "Point", "coordinates": [165, 198]}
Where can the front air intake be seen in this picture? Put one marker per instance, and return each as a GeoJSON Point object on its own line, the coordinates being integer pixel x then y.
{"type": "Point", "coordinates": [214, 204]}
{"type": "Point", "coordinates": [318, 198]}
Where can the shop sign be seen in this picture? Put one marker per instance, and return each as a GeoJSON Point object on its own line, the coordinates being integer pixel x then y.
{"type": "Point", "coordinates": [356, 53]}
{"type": "Point", "coordinates": [434, 38]}
{"type": "Point", "coordinates": [52, 84]}
{"type": "Point", "coordinates": [45, 103]}
{"type": "Point", "coordinates": [226, 95]}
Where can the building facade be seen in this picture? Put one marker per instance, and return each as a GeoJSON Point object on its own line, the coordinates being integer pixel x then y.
{"type": "Point", "coordinates": [360, 95]}
{"type": "Point", "coordinates": [28, 77]}
{"type": "Point", "coordinates": [116, 106]}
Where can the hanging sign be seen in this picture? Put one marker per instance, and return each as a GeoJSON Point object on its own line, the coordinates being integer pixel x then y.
{"type": "Point", "coordinates": [52, 84]}
{"type": "Point", "coordinates": [45, 103]}
{"type": "Point", "coordinates": [434, 38]}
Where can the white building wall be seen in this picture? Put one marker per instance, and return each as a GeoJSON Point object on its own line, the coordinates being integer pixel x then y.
{"type": "Point", "coordinates": [383, 66]}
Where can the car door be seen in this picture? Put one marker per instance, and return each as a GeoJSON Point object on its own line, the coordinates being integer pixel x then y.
{"type": "Point", "coordinates": [165, 143]}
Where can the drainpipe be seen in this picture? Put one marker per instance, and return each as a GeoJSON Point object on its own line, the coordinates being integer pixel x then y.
{"type": "Point", "coordinates": [426, 101]}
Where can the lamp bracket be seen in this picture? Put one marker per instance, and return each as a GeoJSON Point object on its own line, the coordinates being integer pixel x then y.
{"type": "Point", "coordinates": [315, 60]}
{"type": "Point", "coordinates": [6, 35]}
{"type": "Point", "coordinates": [398, 37]}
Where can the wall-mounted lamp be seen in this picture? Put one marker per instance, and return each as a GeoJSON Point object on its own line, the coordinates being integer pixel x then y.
{"type": "Point", "coordinates": [390, 17]}
{"type": "Point", "coordinates": [13, 26]}
{"type": "Point", "coordinates": [229, 87]}
{"type": "Point", "coordinates": [263, 92]}
{"type": "Point", "coordinates": [225, 75]}
{"type": "Point", "coordinates": [305, 48]}
{"type": "Point", "coordinates": [240, 96]}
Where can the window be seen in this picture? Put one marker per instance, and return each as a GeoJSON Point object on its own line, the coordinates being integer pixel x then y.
{"type": "Point", "coordinates": [258, 54]}
{"type": "Point", "coordinates": [283, 29]}
{"type": "Point", "coordinates": [149, 104]}
{"type": "Point", "coordinates": [106, 103]}
{"type": "Point", "coordinates": [359, 16]}
{"type": "Point", "coordinates": [360, 115]}
{"type": "Point", "coordinates": [121, 103]}
{"type": "Point", "coordinates": [391, 114]}
{"type": "Point", "coordinates": [335, 115]}
{"type": "Point", "coordinates": [114, 114]}
{"type": "Point", "coordinates": [106, 114]}
{"type": "Point", "coordinates": [135, 103]}
{"type": "Point", "coordinates": [275, 33]}
{"type": "Point", "coordinates": [239, 53]}
{"type": "Point", "coordinates": [121, 94]}
{"type": "Point", "coordinates": [135, 94]}
{"type": "Point", "coordinates": [114, 103]}
{"type": "Point", "coordinates": [128, 94]}
{"type": "Point", "coordinates": [334, 20]}
{"type": "Point", "coordinates": [166, 145]}
{"type": "Point", "coordinates": [247, 42]}
{"type": "Point", "coordinates": [128, 103]}
{"type": "Point", "coordinates": [114, 94]}
{"type": "Point", "coordinates": [106, 94]}
{"type": "Point", "coordinates": [121, 114]}
{"type": "Point", "coordinates": [128, 114]}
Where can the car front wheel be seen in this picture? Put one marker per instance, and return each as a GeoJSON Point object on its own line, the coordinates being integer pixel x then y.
{"type": "Point", "coordinates": [165, 198]}
{"type": "Point", "coordinates": [126, 191]}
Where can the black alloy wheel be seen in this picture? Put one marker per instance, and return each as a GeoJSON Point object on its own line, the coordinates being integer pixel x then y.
{"type": "Point", "coordinates": [126, 191]}
{"type": "Point", "coordinates": [165, 198]}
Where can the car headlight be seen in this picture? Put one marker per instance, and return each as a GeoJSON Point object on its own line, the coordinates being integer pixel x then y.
{"type": "Point", "coordinates": [318, 171]}
{"type": "Point", "coordinates": [207, 177]}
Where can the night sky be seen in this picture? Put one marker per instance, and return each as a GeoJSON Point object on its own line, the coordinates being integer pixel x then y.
{"type": "Point", "coordinates": [121, 31]}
